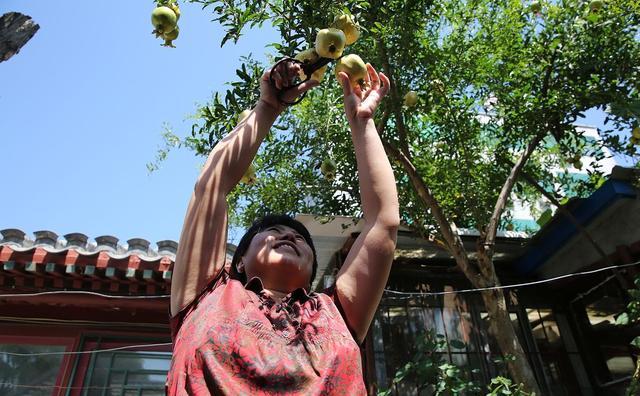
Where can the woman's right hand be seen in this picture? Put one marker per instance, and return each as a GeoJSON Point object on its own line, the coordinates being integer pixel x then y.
{"type": "Point", "coordinates": [284, 76]}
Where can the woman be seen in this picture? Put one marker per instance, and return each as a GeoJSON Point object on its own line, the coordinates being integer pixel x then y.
{"type": "Point", "coordinates": [258, 330]}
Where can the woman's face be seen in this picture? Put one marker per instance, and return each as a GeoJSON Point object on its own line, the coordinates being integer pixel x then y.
{"type": "Point", "coordinates": [280, 257]}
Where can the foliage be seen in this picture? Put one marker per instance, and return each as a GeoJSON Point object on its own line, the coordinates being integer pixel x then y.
{"type": "Point", "coordinates": [542, 72]}
{"type": "Point", "coordinates": [631, 315]}
{"type": "Point", "coordinates": [433, 375]}
{"type": "Point", "coordinates": [504, 386]}
{"type": "Point", "coordinates": [499, 88]}
{"type": "Point", "coordinates": [430, 371]}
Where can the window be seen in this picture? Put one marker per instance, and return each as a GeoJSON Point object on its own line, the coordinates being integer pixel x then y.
{"type": "Point", "coordinates": [128, 373]}
{"type": "Point", "coordinates": [606, 304]}
{"type": "Point", "coordinates": [32, 375]}
{"type": "Point", "coordinates": [111, 365]}
{"type": "Point", "coordinates": [400, 322]}
{"type": "Point", "coordinates": [556, 360]}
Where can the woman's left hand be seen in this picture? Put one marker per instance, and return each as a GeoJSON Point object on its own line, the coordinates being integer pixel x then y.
{"type": "Point", "coordinates": [360, 105]}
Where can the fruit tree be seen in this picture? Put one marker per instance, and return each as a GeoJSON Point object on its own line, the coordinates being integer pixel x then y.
{"type": "Point", "coordinates": [494, 91]}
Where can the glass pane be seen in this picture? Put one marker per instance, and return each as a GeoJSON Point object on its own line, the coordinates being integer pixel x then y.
{"type": "Point", "coordinates": [439, 326]}
{"type": "Point", "coordinates": [604, 310]}
{"type": "Point", "coordinates": [136, 371]}
{"type": "Point", "coordinates": [100, 374]}
{"type": "Point", "coordinates": [489, 344]}
{"type": "Point", "coordinates": [128, 362]}
{"type": "Point", "coordinates": [454, 326]}
{"type": "Point", "coordinates": [619, 362]}
{"type": "Point", "coordinates": [142, 360]}
{"type": "Point", "coordinates": [407, 387]}
{"type": "Point", "coordinates": [35, 374]}
{"type": "Point", "coordinates": [114, 390]}
{"type": "Point", "coordinates": [614, 347]}
{"type": "Point", "coordinates": [429, 318]}
{"type": "Point", "coordinates": [620, 366]}
{"type": "Point", "coordinates": [396, 344]}
{"type": "Point", "coordinates": [417, 320]}
{"type": "Point", "coordinates": [459, 359]}
{"type": "Point", "coordinates": [551, 327]}
{"type": "Point", "coordinates": [153, 392]}
{"type": "Point", "coordinates": [103, 359]}
{"type": "Point", "coordinates": [117, 378]}
{"type": "Point", "coordinates": [101, 380]}
{"type": "Point", "coordinates": [145, 379]}
{"type": "Point", "coordinates": [467, 329]}
{"type": "Point", "coordinates": [475, 368]}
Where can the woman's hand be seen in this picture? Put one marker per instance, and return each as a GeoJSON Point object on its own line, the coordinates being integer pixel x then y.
{"type": "Point", "coordinates": [360, 105]}
{"type": "Point", "coordinates": [284, 76]}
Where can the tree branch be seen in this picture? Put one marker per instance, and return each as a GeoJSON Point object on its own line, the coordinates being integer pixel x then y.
{"type": "Point", "coordinates": [449, 230]}
{"type": "Point", "coordinates": [395, 96]}
{"type": "Point", "coordinates": [562, 210]}
{"type": "Point", "coordinates": [382, 123]}
{"type": "Point", "coordinates": [492, 228]}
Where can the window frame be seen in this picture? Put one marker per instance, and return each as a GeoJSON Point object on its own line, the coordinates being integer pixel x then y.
{"type": "Point", "coordinates": [68, 342]}
{"type": "Point", "coordinates": [80, 377]}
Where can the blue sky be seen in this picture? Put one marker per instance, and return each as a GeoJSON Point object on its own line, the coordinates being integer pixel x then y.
{"type": "Point", "coordinates": [82, 111]}
{"type": "Point", "coordinates": [83, 105]}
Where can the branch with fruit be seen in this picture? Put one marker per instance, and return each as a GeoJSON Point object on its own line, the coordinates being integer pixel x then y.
{"type": "Point", "coordinates": [164, 19]}
{"type": "Point", "coordinates": [329, 46]}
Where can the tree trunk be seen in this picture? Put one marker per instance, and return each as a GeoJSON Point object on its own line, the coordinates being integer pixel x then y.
{"type": "Point", "coordinates": [501, 328]}
{"type": "Point", "coordinates": [15, 30]}
{"type": "Point", "coordinates": [481, 274]}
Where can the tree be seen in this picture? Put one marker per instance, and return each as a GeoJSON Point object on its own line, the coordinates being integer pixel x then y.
{"type": "Point", "coordinates": [499, 88]}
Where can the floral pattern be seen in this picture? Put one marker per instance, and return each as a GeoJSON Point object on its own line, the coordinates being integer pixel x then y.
{"type": "Point", "coordinates": [235, 340]}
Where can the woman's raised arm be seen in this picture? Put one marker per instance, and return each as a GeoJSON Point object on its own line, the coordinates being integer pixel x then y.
{"type": "Point", "coordinates": [203, 240]}
{"type": "Point", "coordinates": [362, 278]}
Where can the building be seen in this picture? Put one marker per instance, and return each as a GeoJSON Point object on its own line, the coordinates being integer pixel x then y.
{"type": "Point", "coordinates": [565, 320]}
{"type": "Point", "coordinates": [90, 318]}
{"type": "Point", "coordinates": [64, 299]}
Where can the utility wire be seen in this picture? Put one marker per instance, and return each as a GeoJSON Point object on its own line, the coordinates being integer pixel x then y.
{"type": "Point", "coordinates": [84, 352]}
{"type": "Point", "coordinates": [420, 294]}
{"type": "Point", "coordinates": [406, 294]}
{"type": "Point", "coordinates": [71, 322]}
{"type": "Point", "coordinates": [412, 294]}
{"type": "Point", "coordinates": [82, 292]}
{"type": "Point", "coordinates": [116, 387]}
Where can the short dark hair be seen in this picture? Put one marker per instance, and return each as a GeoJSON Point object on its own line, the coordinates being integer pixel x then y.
{"type": "Point", "coordinates": [260, 225]}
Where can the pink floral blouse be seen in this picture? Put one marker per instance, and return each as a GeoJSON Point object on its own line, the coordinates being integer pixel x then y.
{"type": "Point", "coordinates": [235, 340]}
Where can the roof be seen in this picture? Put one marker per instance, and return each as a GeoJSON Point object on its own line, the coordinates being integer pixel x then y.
{"type": "Point", "coordinates": [75, 262]}
{"type": "Point", "coordinates": [602, 214]}
{"type": "Point", "coordinates": [331, 235]}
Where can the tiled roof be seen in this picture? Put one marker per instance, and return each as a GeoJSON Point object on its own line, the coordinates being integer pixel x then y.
{"type": "Point", "coordinates": [48, 262]}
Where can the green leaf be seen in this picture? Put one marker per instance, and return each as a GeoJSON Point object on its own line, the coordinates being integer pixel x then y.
{"type": "Point", "coordinates": [457, 344]}
{"type": "Point", "coordinates": [243, 75]}
{"type": "Point", "coordinates": [544, 217]}
{"type": "Point", "coordinates": [634, 293]}
{"type": "Point", "coordinates": [622, 319]}
{"type": "Point", "coordinates": [636, 342]}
